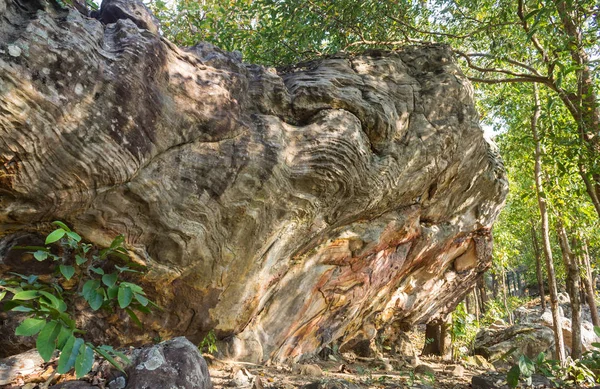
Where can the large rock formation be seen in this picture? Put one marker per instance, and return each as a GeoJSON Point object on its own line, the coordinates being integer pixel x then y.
{"type": "Point", "coordinates": [285, 209]}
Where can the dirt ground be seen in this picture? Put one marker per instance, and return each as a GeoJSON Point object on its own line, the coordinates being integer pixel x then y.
{"type": "Point", "coordinates": [366, 373]}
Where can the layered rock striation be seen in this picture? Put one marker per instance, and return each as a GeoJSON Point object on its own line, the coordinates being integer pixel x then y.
{"type": "Point", "coordinates": [285, 210]}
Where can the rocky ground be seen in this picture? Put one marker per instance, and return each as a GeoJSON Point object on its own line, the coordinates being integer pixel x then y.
{"type": "Point", "coordinates": [340, 371]}
{"type": "Point", "coordinates": [173, 362]}
{"type": "Point", "coordinates": [364, 373]}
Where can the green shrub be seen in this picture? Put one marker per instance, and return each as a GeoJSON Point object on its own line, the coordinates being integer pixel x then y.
{"type": "Point", "coordinates": [48, 305]}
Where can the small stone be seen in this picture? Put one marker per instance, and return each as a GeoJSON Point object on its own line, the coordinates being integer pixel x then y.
{"type": "Point", "coordinates": [117, 383]}
{"type": "Point", "coordinates": [14, 51]}
{"type": "Point", "coordinates": [242, 378]}
{"type": "Point", "coordinates": [311, 370]}
{"type": "Point", "coordinates": [458, 371]}
{"type": "Point", "coordinates": [414, 361]}
{"type": "Point", "coordinates": [388, 366]}
{"type": "Point", "coordinates": [424, 370]}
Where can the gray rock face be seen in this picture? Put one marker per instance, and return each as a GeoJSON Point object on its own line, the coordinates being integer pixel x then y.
{"type": "Point", "coordinates": [29, 362]}
{"type": "Point", "coordinates": [284, 210]}
{"type": "Point", "coordinates": [522, 339]}
{"type": "Point", "coordinates": [176, 363]}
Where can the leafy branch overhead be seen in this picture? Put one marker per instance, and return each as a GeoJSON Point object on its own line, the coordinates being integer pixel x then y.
{"type": "Point", "coordinates": [81, 272]}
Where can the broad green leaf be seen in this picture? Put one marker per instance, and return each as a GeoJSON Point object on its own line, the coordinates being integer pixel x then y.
{"type": "Point", "coordinates": [79, 260]}
{"type": "Point", "coordinates": [63, 336]}
{"type": "Point", "coordinates": [67, 320]}
{"type": "Point", "coordinates": [18, 308]}
{"type": "Point", "coordinates": [62, 225]}
{"type": "Point", "coordinates": [55, 236]}
{"type": "Point", "coordinates": [112, 291]}
{"type": "Point", "coordinates": [40, 255]}
{"type": "Point", "coordinates": [117, 241]}
{"type": "Point", "coordinates": [88, 287]}
{"type": "Point", "coordinates": [526, 366]}
{"type": "Point", "coordinates": [134, 317]}
{"type": "Point", "coordinates": [32, 279]}
{"type": "Point", "coordinates": [540, 358]}
{"type": "Point", "coordinates": [84, 361]}
{"type": "Point", "coordinates": [97, 270]}
{"type": "Point", "coordinates": [26, 295]}
{"type": "Point", "coordinates": [2, 294]}
{"type": "Point", "coordinates": [512, 378]}
{"type": "Point", "coordinates": [141, 299]}
{"type": "Point", "coordinates": [29, 327]}
{"type": "Point", "coordinates": [125, 295]}
{"type": "Point", "coordinates": [597, 331]}
{"type": "Point", "coordinates": [67, 271]}
{"type": "Point", "coordinates": [134, 287]}
{"type": "Point", "coordinates": [56, 302]}
{"type": "Point", "coordinates": [46, 340]}
{"type": "Point", "coordinates": [74, 236]}
{"type": "Point", "coordinates": [96, 299]}
{"type": "Point", "coordinates": [143, 309]}
{"type": "Point", "coordinates": [68, 354]}
{"type": "Point", "coordinates": [109, 279]}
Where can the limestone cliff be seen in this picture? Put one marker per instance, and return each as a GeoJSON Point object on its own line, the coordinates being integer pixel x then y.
{"type": "Point", "coordinates": [286, 210]}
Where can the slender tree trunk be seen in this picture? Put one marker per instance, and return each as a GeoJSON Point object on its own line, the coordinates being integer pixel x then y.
{"type": "Point", "coordinates": [590, 188]}
{"type": "Point", "coordinates": [482, 293]}
{"type": "Point", "coordinates": [588, 285]}
{"type": "Point", "coordinates": [505, 298]}
{"type": "Point", "coordinates": [468, 303]}
{"type": "Point", "coordinates": [477, 310]}
{"type": "Point", "coordinates": [573, 289]}
{"type": "Point", "coordinates": [494, 286]}
{"type": "Point", "coordinates": [541, 197]}
{"type": "Point", "coordinates": [538, 266]}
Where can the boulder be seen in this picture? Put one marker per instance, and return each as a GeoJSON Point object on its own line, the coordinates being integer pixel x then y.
{"type": "Point", "coordinates": [174, 363]}
{"type": "Point", "coordinates": [533, 315]}
{"type": "Point", "coordinates": [20, 365]}
{"type": "Point", "coordinates": [492, 380]}
{"type": "Point", "coordinates": [514, 341]}
{"type": "Point", "coordinates": [331, 384]}
{"type": "Point", "coordinates": [347, 192]}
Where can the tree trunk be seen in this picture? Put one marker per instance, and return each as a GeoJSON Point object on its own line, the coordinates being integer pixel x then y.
{"type": "Point", "coordinates": [538, 266]}
{"type": "Point", "coordinates": [446, 338]}
{"type": "Point", "coordinates": [505, 299]}
{"type": "Point", "coordinates": [468, 303]}
{"type": "Point", "coordinates": [588, 285]}
{"type": "Point", "coordinates": [482, 293]}
{"type": "Point", "coordinates": [585, 107]}
{"type": "Point", "coordinates": [438, 339]}
{"type": "Point", "coordinates": [541, 197]}
{"type": "Point", "coordinates": [573, 289]}
{"type": "Point", "coordinates": [477, 310]}
{"type": "Point", "coordinates": [494, 286]}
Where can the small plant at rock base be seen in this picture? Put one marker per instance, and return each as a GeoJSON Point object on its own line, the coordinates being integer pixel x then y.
{"type": "Point", "coordinates": [82, 271]}
{"type": "Point", "coordinates": [209, 343]}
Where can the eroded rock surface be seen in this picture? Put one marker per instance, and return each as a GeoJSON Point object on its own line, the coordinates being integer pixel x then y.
{"type": "Point", "coordinates": [284, 210]}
